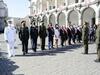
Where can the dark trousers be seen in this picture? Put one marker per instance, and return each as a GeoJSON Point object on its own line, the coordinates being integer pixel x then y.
{"type": "Point", "coordinates": [62, 41]}
{"type": "Point", "coordinates": [79, 38]}
{"type": "Point", "coordinates": [73, 38]}
{"type": "Point", "coordinates": [34, 44]}
{"type": "Point", "coordinates": [25, 46]}
{"type": "Point", "coordinates": [69, 40]}
{"type": "Point", "coordinates": [86, 47]}
{"type": "Point", "coordinates": [50, 44]}
{"type": "Point", "coordinates": [42, 43]}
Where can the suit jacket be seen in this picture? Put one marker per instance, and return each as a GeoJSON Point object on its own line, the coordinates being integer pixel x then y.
{"type": "Point", "coordinates": [42, 32]}
{"type": "Point", "coordinates": [50, 32]}
{"type": "Point", "coordinates": [34, 32]}
{"type": "Point", "coordinates": [24, 34]}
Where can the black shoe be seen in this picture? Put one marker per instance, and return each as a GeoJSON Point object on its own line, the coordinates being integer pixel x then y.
{"type": "Point", "coordinates": [53, 48]}
{"type": "Point", "coordinates": [69, 44]}
{"type": "Point", "coordinates": [85, 53]}
{"type": "Point", "coordinates": [49, 48]}
{"type": "Point", "coordinates": [97, 60]}
{"type": "Point", "coordinates": [34, 50]}
{"type": "Point", "coordinates": [43, 49]}
{"type": "Point", "coordinates": [26, 52]}
{"type": "Point", "coordinates": [23, 53]}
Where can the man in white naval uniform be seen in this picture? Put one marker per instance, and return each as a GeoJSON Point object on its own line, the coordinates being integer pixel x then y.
{"type": "Point", "coordinates": [9, 35]}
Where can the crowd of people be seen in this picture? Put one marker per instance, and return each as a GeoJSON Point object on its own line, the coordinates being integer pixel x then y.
{"type": "Point", "coordinates": [71, 34]}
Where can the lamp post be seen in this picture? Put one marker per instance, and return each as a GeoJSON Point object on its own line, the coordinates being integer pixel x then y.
{"type": "Point", "coordinates": [31, 17]}
{"type": "Point", "coordinates": [3, 15]}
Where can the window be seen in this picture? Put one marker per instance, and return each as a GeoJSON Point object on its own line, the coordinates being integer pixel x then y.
{"type": "Point", "coordinates": [76, 1]}
{"type": "Point", "coordinates": [64, 4]}
{"type": "Point", "coordinates": [53, 7]}
{"type": "Point", "coordinates": [50, 7]}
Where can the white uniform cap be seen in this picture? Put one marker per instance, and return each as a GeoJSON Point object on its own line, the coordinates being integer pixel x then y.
{"type": "Point", "coordinates": [10, 20]}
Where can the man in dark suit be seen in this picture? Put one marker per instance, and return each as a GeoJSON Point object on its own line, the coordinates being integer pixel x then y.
{"type": "Point", "coordinates": [69, 35]}
{"type": "Point", "coordinates": [34, 36]}
{"type": "Point", "coordinates": [50, 30]}
{"type": "Point", "coordinates": [24, 36]}
{"type": "Point", "coordinates": [42, 34]}
{"type": "Point", "coordinates": [62, 35]}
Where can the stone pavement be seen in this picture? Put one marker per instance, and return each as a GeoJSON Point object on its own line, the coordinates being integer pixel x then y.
{"type": "Point", "coordinates": [68, 60]}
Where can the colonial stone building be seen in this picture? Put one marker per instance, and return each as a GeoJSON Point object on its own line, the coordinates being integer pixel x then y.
{"type": "Point", "coordinates": [64, 12]}
{"type": "Point", "coordinates": [3, 14]}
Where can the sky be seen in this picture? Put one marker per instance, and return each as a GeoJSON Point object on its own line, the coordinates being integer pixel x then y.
{"type": "Point", "coordinates": [17, 8]}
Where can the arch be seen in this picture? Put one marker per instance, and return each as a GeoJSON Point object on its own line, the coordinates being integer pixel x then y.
{"type": "Point", "coordinates": [61, 19]}
{"type": "Point", "coordinates": [44, 18]}
{"type": "Point", "coordinates": [73, 17]}
{"type": "Point", "coordinates": [89, 15]}
{"type": "Point", "coordinates": [52, 19]}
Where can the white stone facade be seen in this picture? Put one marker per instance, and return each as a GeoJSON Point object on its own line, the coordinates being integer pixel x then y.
{"type": "Point", "coordinates": [64, 12]}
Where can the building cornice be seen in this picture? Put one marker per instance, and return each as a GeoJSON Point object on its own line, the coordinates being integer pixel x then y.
{"type": "Point", "coordinates": [72, 6]}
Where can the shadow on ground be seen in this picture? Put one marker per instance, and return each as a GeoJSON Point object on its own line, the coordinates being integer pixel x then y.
{"type": "Point", "coordinates": [7, 67]}
{"type": "Point", "coordinates": [53, 52]}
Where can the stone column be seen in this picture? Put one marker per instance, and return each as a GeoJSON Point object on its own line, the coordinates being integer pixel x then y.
{"type": "Point", "coordinates": [97, 16]}
{"type": "Point", "coordinates": [56, 18]}
{"type": "Point", "coordinates": [80, 19]}
{"type": "Point", "coordinates": [66, 18]}
{"type": "Point", "coordinates": [41, 5]}
{"type": "Point", "coordinates": [79, 1]}
{"type": "Point", "coordinates": [47, 20]}
{"type": "Point", "coordinates": [66, 1]}
{"type": "Point", "coordinates": [55, 3]}
{"type": "Point", "coordinates": [47, 5]}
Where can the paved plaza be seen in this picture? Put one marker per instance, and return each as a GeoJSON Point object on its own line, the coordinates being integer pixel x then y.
{"type": "Point", "coordinates": [68, 60]}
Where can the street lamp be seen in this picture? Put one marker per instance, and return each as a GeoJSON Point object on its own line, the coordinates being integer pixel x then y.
{"type": "Point", "coordinates": [3, 15]}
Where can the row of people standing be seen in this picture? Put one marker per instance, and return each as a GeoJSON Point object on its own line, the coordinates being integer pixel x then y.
{"type": "Point", "coordinates": [62, 33]}
{"type": "Point", "coordinates": [70, 34]}
{"type": "Point", "coordinates": [56, 32]}
{"type": "Point", "coordinates": [33, 32]}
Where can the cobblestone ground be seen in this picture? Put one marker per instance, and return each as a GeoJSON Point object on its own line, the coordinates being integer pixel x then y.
{"type": "Point", "coordinates": [68, 60]}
